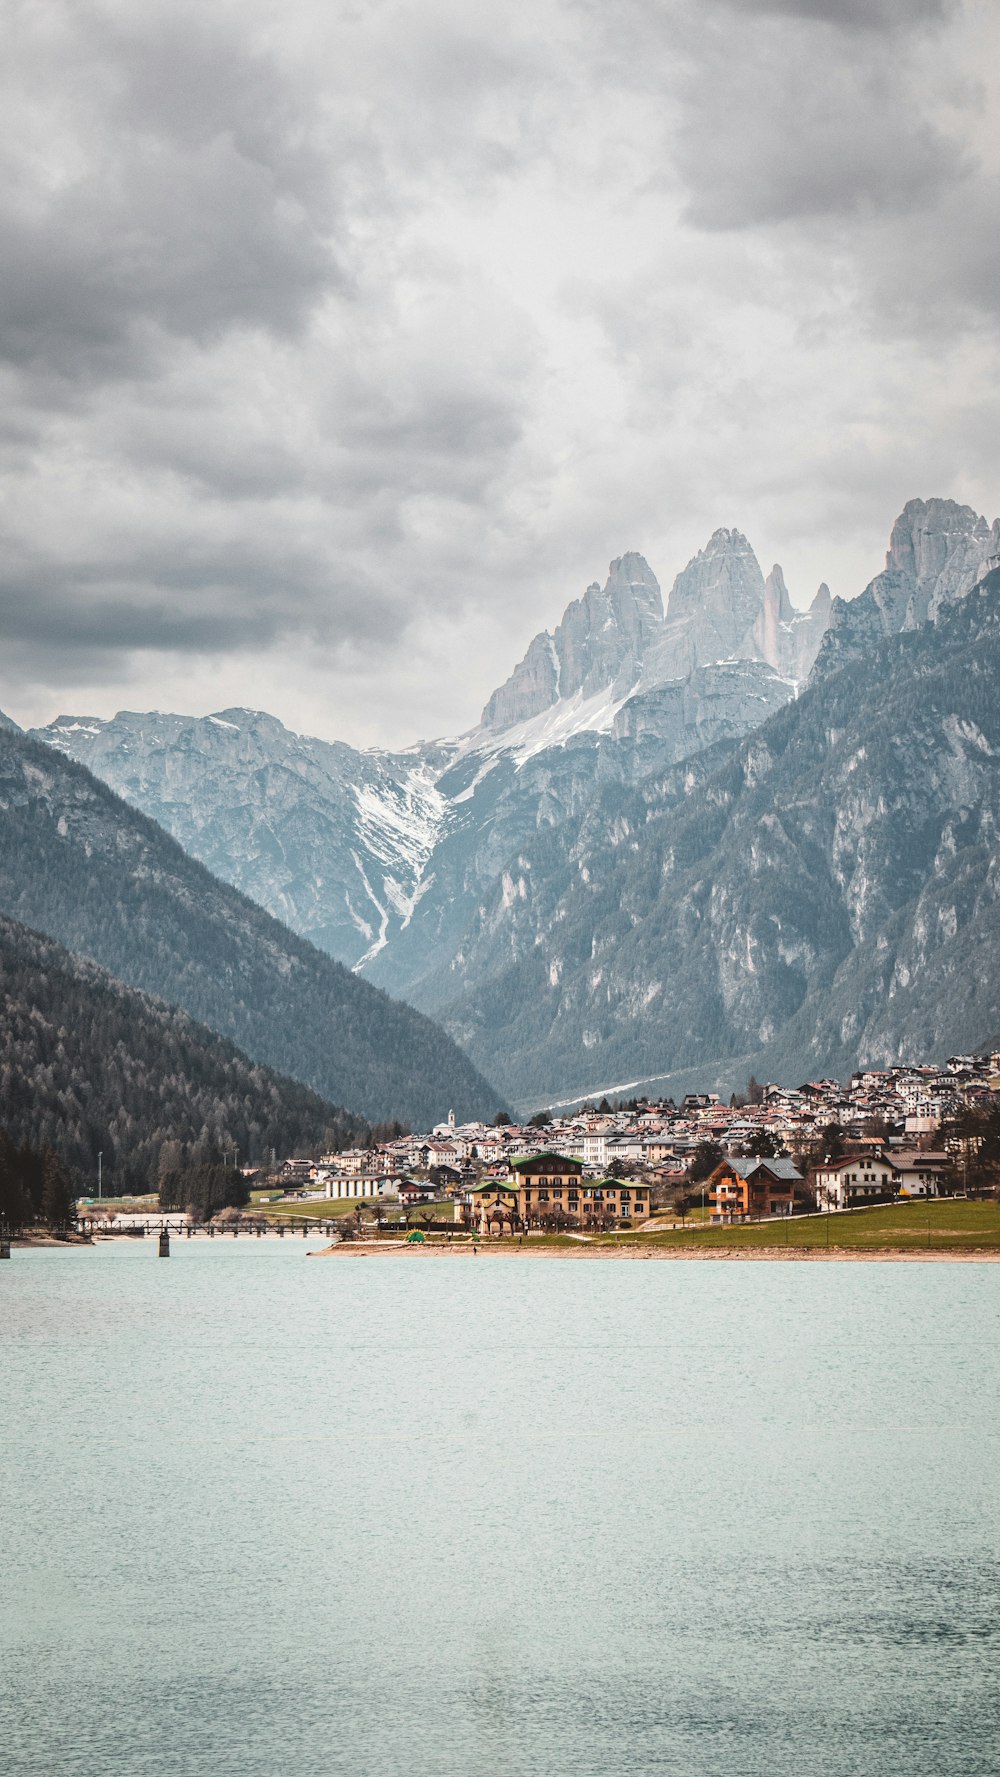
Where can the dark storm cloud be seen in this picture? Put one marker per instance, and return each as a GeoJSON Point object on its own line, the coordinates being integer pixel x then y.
{"type": "Point", "coordinates": [172, 198]}
{"type": "Point", "coordinates": [222, 597]}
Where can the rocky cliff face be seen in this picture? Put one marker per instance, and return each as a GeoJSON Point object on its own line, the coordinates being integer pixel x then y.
{"type": "Point", "coordinates": [599, 644]}
{"type": "Point", "coordinates": [617, 639]}
{"type": "Point", "coordinates": [713, 609]}
{"type": "Point", "coordinates": [937, 552]}
{"type": "Point", "coordinates": [786, 638]}
{"type": "Point", "coordinates": [683, 716]}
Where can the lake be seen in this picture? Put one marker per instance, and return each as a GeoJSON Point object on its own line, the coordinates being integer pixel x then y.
{"type": "Point", "coordinates": [443, 1517]}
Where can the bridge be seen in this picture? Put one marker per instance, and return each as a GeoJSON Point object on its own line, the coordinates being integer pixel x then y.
{"type": "Point", "coordinates": [250, 1227]}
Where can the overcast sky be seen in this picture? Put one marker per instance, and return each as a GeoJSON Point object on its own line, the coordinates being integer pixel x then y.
{"type": "Point", "coordinates": [342, 344]}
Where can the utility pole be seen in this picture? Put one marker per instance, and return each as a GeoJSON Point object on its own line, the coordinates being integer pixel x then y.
{"type": "Point", "coordinates": [100, 1188]}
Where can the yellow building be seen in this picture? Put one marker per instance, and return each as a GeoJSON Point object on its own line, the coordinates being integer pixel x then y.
{"type": "Point", "coordinates": [551, 1188]}
{"type": "Point", "coordinates": [490, 1208]}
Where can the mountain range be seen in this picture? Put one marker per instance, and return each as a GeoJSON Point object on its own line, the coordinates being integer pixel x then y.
{"type": "Point", "coordinates": [614, 875]}
{"type": "Point", "coordinates": [79, 865]}
{"type": "Point", "coordinates": [823, 893]}
{"type": "Point", "coordinates": [381, 858]}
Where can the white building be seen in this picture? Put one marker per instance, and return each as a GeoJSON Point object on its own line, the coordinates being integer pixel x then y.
{"type": "Point", "coordinates": [595, 1147]}
{"type": "Point", "coordinates": [362, 1184]}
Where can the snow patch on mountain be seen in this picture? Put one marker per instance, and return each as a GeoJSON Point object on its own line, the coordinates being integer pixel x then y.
{"type": "Point", "coordinates": [553, 727]}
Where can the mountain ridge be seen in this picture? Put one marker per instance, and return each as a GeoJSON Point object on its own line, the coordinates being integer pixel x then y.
{"type": "Point", "coordinates": [418, 855]}
{"type": "Point", "coordinates": [89, 870]}
{"type": "Point", "coordinates": [823, 892]}
{"type": "Point", "coordinates": [938, 550]}
{"type": "Point", "coordinates": [381, 858]}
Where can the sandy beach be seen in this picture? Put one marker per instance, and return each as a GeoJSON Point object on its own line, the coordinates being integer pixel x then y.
{"type": "Point", "coordinates": [363, 1249]}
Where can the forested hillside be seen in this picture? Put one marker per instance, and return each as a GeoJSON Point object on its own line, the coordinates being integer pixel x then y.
{"type": "Point", "coordinates": [82, 866]}
{"type": "Point", "coordinates": [88, 1066]}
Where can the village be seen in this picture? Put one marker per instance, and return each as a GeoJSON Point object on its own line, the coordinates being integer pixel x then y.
{"type": "Point", "coordinates": [888, 1134]}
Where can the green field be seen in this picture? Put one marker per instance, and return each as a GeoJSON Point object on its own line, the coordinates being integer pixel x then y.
{"type": "Point", "coordinates": [945, 1225]}
{"type": "Point", "coordinates": [321, 1209]}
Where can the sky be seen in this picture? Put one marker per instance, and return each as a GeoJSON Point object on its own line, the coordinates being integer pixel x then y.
{"type": "Point", "coordinates": [341, 345]}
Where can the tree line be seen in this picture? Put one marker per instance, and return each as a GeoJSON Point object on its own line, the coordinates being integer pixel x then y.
{"type": "Point", "coordinates": [35, 1189]}
{"type": "Point", "coordinates": [89, 1067]}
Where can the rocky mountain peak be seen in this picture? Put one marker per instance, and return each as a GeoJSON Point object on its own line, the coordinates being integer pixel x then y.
{"type": "Point", "coordinates": [938, 551]}
{"type": "Point", "coordinates": [776, 597]}
{"type": "Point", "coordinates": [635, 596]}
{"type": "Point", "coordinates": [720, 591]}
{"type": "Point", "coordinates": [599, 643]}
{"type": "Point", "coordinates": [940, 548]}
{"type": "Point", "coordinates": [776, 610]}
{"type": "Point", "coordinates": [713, 607]}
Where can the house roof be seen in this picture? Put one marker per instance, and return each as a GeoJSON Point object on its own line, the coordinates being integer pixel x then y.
{"type": "Point", "coordinates": [914, 1159]}
{"type": "Point", "coordinates": [536, 1160]}
{"type": "Point", "coordinates": [785, 1170]}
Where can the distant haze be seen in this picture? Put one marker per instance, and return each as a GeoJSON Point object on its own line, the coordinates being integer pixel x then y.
{"type": "Point", "coordinates": [341, 348]}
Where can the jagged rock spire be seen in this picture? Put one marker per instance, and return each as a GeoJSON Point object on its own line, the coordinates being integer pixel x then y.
{"type": "Point", "coordinates": [600, 643]}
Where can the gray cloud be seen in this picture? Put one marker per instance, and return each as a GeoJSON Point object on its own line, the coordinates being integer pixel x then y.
{"type": "Point", "coordinates": [776, 127]}
{"type": "Point", "coordinates": [171, 197]}
{"type": "Point", "coordinates": [338, 350]}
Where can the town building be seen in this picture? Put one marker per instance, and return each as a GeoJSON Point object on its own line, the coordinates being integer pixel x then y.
{"type": "Point", "coordinates": [552, 1187]}
{"type": "Point", "coordinates": [491, 1207]}
{"type": "Point", "coordinates": [878, 1175]}
{"type": "Point", "coordinates": [362, 1184]}
{"type": "Point", "coordinates": [742, 1190]}
{"type": "Point", "coordinates": [855, 1179]}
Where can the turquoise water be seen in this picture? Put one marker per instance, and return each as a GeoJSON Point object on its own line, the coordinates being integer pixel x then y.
{"type": "Point", "coordinates": [455, 1517]}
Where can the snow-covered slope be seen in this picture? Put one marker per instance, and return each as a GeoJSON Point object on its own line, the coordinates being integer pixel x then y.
{"type": "Point", "coordinates": [332, 840]}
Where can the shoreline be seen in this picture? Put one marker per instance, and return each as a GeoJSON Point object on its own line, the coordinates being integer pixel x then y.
{"type": "Point", "coordinates": [362, 1249]}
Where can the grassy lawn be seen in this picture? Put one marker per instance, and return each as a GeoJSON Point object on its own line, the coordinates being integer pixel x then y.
{"type": "Point", "coordinates": [433, 1212]}
{"type": "Point", "coordinates": [321, 1209]}
{"type": "Point", "coordinates": [944, 1225]}
{"type": "Point", "coordinates": [694, 1216]}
